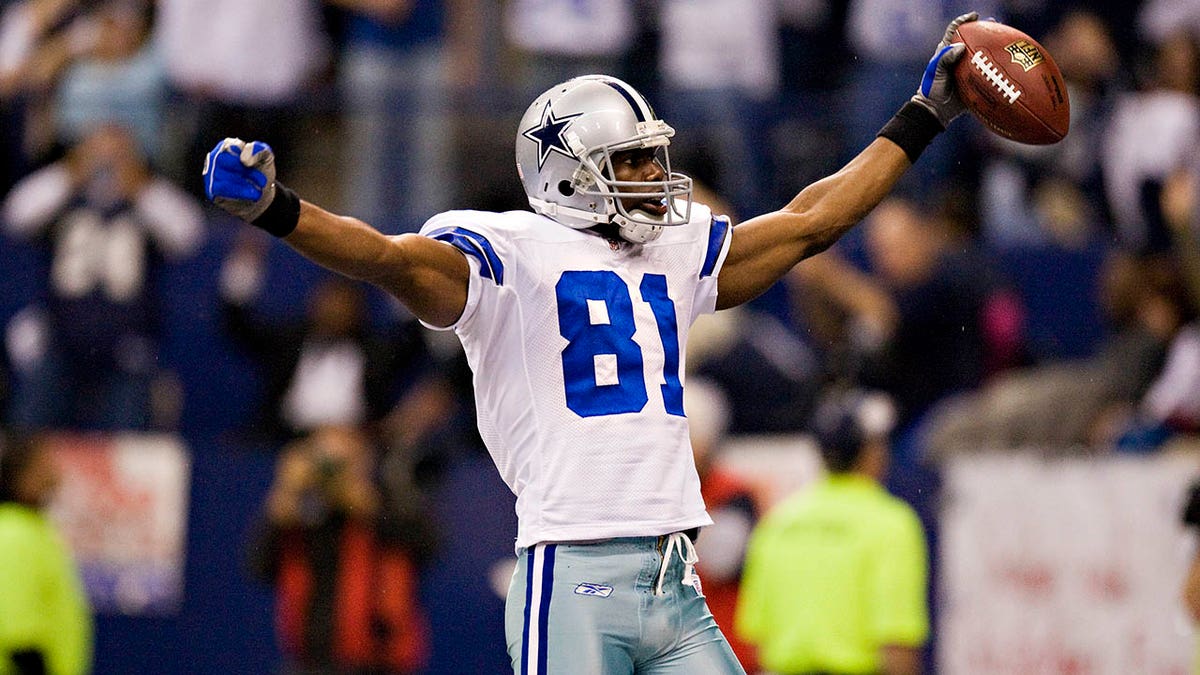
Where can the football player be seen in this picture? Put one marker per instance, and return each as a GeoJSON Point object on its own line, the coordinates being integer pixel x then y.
{"type": "Point", "coordinates": [574, 318]}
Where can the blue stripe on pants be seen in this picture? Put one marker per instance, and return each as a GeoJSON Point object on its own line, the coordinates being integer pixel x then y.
{"type": "Point", "coordinates": [528, 604]}
{"type": "Point", "coordinates": [539, 573]}
{"type": "Point", "coordinates": [544, 613]}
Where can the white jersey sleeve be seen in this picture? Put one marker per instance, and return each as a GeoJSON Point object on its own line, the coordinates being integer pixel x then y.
{"type": "Point", "coordinates": [577, 348]}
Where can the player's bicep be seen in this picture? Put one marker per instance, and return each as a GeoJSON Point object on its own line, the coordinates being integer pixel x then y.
{"type": "Point", "coordinates": [484, 269]}
{"type": "Point", "coordinates": [432, 281]}
{"type": "Point", "coordinates": [761, 251]}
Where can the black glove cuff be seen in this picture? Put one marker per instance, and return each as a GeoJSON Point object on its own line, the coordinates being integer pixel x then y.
{"type": "Point", "coordinates": [281, 216]}
{"type": "Point", "coordinates": [912, 128]}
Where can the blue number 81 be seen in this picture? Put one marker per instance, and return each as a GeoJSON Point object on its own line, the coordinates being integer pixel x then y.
{"type": "Point", "coordinates": [602, 364]}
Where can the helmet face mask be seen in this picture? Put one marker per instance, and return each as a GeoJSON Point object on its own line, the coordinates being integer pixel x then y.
{"type": "Point", "coordinates": [565, 157]}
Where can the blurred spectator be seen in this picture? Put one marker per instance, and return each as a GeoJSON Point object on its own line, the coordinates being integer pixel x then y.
{"type": "Point", "coordinates": [242, 68]}
{"type": "Point", "coordinates": [66, 67]}
{"type": "Point", "coordinates": [342, 553]}
{"type": "Point", "coordinates": [34, 46]}
{"type": "Point", "coordinates": [1149, 136]}
{"type": "Point", "coordinates": [1159, 20]}
{"type": "Point", "coordinates": [940, 344]}
{"type": "Point", "coordinates": [331, 367]}
{"type": "Point", "coordinates": [1043, 209]}
{"type": "Point", "coordinates": [719, 66]}
{"type": "Point", "coordinates": [844, 312]}
{"type": "Point", "coordinates": [836, 575]}
{"type": "Point", "coordinates": [1054, 195]}
{"type": "Point", "coordinates": [398, 58]}
{"type": "Point", "coordinates": [1173, 399]}
{"type": "Point", "coordinates": [770, 376]}
{"type": "Point", "coordinates": [883, 38]}
{"type": "Point", "coordinates": [731, 505]}
{"type": "Point", "coordinates": [45, 619]}
{"type": "Point", "coordinates": [87, 358]}
{"type": "Point", "coordinates": [1147, 305]}
{"type": "Point", "coordinates": [556, 40]}
{"type": "Point", "coordinates": [120, 77]}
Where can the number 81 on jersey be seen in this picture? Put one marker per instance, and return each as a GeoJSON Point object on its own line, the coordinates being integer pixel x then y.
{"type": "Point", "coordinates": [602, 364]}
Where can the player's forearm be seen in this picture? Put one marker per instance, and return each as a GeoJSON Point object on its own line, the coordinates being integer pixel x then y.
{"type": "Point", "coordinates": [771, 245]}
{"type": "Point", "coordinates": [343, 244]}
{"type": "Point", "coordinates": [828, 208]}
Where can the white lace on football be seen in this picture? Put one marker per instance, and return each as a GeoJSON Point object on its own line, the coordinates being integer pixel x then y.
{"type": "Point", "coordinates": [996, 77]}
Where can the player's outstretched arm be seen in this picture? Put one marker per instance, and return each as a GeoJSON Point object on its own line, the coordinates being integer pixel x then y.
{"type": "Point", "coordinates": [428, 276]}
{"type": "Point", "coordinates": [764, 248]}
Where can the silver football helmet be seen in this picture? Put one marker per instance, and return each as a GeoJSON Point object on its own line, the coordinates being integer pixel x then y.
{"type": "Point", "coordinates": [565, 145]}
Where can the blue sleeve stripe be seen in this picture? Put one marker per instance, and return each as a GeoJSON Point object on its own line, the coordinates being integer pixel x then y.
{"type": "Point", "coordinates": [467, 246]}
{"type": "Point", "coordinates": [476, 246]}
{"type": "Point", "coordinates": [717, 231]}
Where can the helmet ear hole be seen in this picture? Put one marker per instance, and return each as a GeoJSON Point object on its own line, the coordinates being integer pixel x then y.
{"type": "Point", "coordinates": [565, 189]}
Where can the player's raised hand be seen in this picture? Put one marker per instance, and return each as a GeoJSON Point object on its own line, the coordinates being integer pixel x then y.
{"type": "Point", "coordinates": [240, 177]}
{"type": "Point", "coordinates": [936, 92]}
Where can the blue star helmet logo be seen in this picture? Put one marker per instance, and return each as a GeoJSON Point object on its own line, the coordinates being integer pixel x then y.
{"type": "Point", "coordinates": [549, 135]}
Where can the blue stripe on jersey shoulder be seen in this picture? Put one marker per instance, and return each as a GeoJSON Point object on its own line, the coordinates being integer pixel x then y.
{"type": "Point", "coordinates": [718, 229]}
{"type": "Point", "coordinates": [475, 245]}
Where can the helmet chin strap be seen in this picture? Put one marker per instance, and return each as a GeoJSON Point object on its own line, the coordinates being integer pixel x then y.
{"type": "Point", "coordinates": [554, 210]}
{"type": "Point", "coordinates": [638, 232]}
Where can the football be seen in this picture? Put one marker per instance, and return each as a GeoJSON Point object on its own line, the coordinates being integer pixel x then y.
{"type": "Point", "coordinates": [1011, 84]}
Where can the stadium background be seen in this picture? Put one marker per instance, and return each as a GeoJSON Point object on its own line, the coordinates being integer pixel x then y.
{"type": "Point", "coordinates": [796, 130]}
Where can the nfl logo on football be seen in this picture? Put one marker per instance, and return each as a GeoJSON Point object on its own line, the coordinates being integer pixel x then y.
{"type": "Point", "coordinates": [1024, 54]}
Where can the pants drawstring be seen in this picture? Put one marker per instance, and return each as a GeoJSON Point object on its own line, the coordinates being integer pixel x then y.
{"type": "Point", "coordinates": [678, 542]}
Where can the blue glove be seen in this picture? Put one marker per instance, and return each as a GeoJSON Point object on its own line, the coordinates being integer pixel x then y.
{"type": "Point", "coordinates": [936, 93]}
{"type": "Point", "coordinates": [240, 177]}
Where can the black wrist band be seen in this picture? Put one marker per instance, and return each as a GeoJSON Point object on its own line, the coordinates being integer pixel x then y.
{"type": "Point", "coordinates": [281, 216]}
{"type": "Point", "coordinates": [912, 128]}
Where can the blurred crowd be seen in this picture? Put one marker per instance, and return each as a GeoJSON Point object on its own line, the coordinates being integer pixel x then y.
{"type": "Point", "coordinates": [1007, 296]}
{"type": "Point", "coordinates": [995, 266]}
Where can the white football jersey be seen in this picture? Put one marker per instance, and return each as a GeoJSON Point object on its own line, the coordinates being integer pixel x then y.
{"type": "Point", "coordinates": [577, 348]}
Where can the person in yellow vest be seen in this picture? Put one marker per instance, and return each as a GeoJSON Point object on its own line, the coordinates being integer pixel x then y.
{"type": "Point", "coordinates": [45, 618]}
{"type": "Point", "coordinates": [836, 575]}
